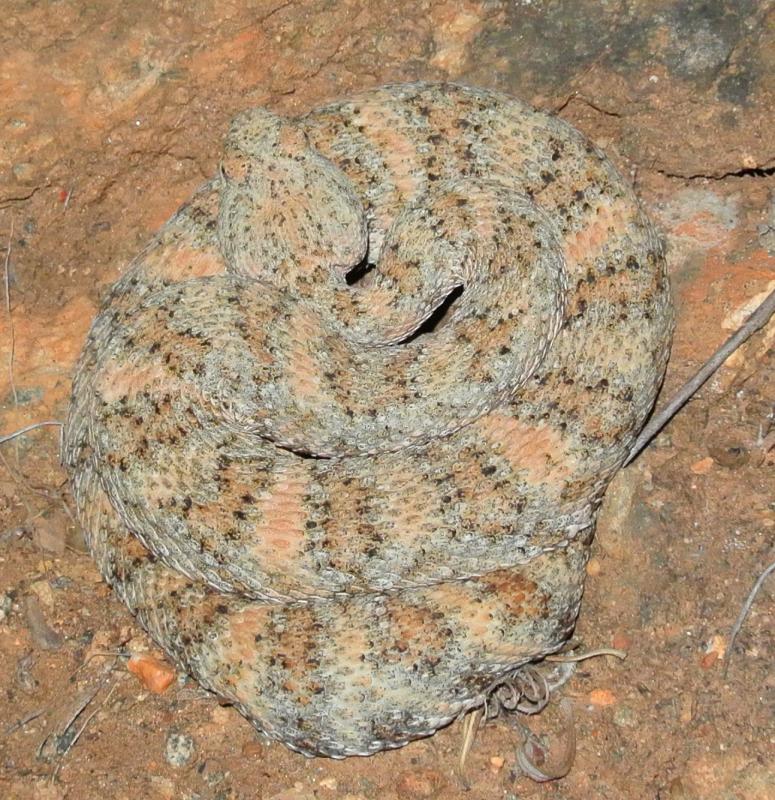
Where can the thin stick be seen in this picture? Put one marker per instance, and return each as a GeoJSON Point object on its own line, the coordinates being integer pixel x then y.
{"type": "Point", "coordinates": [757, 320]}
{"type": "Point", "coordinates": [25, 720]}
{"type": "Point", "coordinates": [80, 704]}
{"type": "Point", "coordinates": [7, 284]}
{"type": "Point", "coordinates": [744, 613]}
{"type": "Point", "coordinates": [114, 654]}
{"type": "Point", "coordinates": [77, 735]}
{"type": "Point", "coordinates": [470, 726]}
{"type": "Point", "coordinates": [601, 651]}
{"type": "Point", "coordinates": [27, 429]}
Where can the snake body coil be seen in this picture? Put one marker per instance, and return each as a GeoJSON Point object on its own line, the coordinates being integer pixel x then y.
{"type": "Point", "coordinates": [339, 434]}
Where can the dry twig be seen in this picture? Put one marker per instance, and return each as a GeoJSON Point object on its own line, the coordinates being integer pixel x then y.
{"type": "Point", "coordinates": [471, 724]}
{"type": "Point", "coordinates": [28, 428]}
{"type": "Point", "coordinates": [7, 284]}
{"type": "Point", "coordinates": [573, 658]}
{"type": "Point", "coordinates": [25, 720]}
{"type": "Point", "coordinates": [757, 320]}
{"type": "Point", "coordinates": [744, 613]}
{"type": "Point", "coordinates": [62, 734]}
{"type": "Point", "coordinates": [77, 735]}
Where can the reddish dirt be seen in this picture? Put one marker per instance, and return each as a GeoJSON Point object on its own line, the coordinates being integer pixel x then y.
{"type": "Point", "coordinates": [113, 112]}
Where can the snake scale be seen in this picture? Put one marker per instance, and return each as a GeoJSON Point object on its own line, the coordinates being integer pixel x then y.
{"type": "Point", "coordinates": [339, 434]}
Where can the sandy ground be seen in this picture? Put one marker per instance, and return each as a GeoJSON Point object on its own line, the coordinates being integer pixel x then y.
{"type": "Point", "coordinates": [112, 113]}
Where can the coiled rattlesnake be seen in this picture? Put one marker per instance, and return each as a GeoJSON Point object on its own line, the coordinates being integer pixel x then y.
{"type": "Point", "coordinates": [353, 507]}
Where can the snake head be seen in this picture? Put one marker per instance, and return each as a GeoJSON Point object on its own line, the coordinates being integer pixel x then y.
{"type": "Point", "coordinates": [257, 138]}
{"type": "Point", "coordinates": [286, 210]}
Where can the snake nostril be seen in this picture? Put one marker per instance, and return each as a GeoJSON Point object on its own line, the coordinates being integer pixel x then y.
{"type": "Point", "coordinates": [234, 167]}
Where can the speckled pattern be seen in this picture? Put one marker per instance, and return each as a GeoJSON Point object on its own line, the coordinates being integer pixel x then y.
{"type": "Point", "coordinates": [352, 507]}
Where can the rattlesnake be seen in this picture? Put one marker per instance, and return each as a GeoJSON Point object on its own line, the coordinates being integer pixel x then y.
{"type": "Point", "coordinates": [339, 434]}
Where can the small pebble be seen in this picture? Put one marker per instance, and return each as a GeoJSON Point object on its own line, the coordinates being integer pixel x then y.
{"type": "Point", "coordinates": [686, 714]}
{"type": "Point", "coordinates": [222, 715]}
{"type": "Point", "coordinates": [602, 697]}
{"type": "Point", "coordinates": [297, 792]}
{"type": "Point", "coordinates": [179, 750]}
{"type": "Point", "coordinates": [24, 172]}
{"type": "Point", "coordinates": [156, 675]}
{"type": "Point", "coordinates": [42, 634]}
{"type": "Point", "coordinates": [419, 783]}
{"type": "Point", "coordinates": [708, 660]}
{"type": "Point", "coordinates": [496, 763]}
{"type": "Point", "coordinates": [44, 593]}
{"type": "Point", "coordinates": [714, 651]}
{"type": "Point", "coordinates": [703, 466]}
{"type": "Point", "coordinates": [718, 645]}
{"type": "Point", "coordinates": [625, 717]}
{"type": "Point", "coordinates": [594, 567]}
{"type": "Point", "coordinates": [6, 604]}
{"type": "Point", "coordinates": [622, 641]}
{"type": "Point", "coordinates": [49, 535]}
